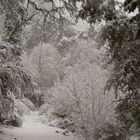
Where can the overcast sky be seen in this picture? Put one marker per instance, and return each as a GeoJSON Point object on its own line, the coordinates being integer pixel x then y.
{"type": "Point", "coordinates": [121, 0]}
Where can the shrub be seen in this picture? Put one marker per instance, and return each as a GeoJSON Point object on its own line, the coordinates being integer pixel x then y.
{"type": "Point", "coordinates": [6, 110]}
{"type": "Point", "coordinates": [15, 82]}
{"type": "Point", "coordinates": [29, 104]}
{"type": "Point", "coordinates": [44, 109]}
{"type": "Point", "coordinates": [21, 108]}
{"type": "Point", "coordinates": [110, 132]}
{"type": "Point", "coordinates": [16, 121]}
{"type": "Point", "coordinates": [61, 111]}
{"type": "Point", "coordinates": [63, 124]}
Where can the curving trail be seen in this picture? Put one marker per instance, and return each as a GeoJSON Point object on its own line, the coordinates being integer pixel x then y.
{"type": "Point", "coordinates": [32, 129]}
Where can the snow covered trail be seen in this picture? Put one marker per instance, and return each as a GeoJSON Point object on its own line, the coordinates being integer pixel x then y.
{"type": "Point", "coordinates": [32, 129]}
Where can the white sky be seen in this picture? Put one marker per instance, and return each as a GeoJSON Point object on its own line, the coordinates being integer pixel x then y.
{"type": "Point", "coordinates": [120, 0]}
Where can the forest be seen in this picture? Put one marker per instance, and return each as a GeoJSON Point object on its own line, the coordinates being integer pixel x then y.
{"type": "Point", "coordinates": [69, 69]}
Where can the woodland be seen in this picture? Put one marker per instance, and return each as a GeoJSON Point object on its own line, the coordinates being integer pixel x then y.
{"type": "Point", "coordinates": [74, 63]}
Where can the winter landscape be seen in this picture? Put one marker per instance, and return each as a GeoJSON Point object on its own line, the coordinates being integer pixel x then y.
{"type": "Point", "coordinates": [69, 69]}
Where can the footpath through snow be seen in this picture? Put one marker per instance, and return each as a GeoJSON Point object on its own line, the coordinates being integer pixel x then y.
{"type": "Point", "coordinates": [33, 129]}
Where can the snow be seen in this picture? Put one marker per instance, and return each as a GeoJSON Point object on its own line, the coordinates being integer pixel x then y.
{"type": "Point", "coordinates": [120, 1]}
{"type": "Point", "coordinates": [134, 138]}
{"type": "Point", "coordinates": [33, 129]}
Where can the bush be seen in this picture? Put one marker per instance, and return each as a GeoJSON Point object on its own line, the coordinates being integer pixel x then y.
{"type": "Point", "coordinates": [63, 124]}
{"type": "Point", "coordinates": [44, 109]}
{"type": "Point", "coordinates": [21, 108]}
{"type": "Point", "coordinates": [15, 82]}
{"type": "Point", "coordinates": [110, 132]}
{"type": "Point", "coordinates": [6, 110]}
{"type": "Point", "coordinates": [29, 104]}
{"type": "Point", "coordinates": [16, 121]}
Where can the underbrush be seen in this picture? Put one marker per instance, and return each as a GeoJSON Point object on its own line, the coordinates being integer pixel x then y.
{"type": "Point", "coordinates": [53, 118]}
{"type": "Point", "coordinates": [44, 109]}
{"type": "Point", "coordinates": [28, 103]}
{"type": "Point", "coordinates": [110, 131]}
{"type": "Point", "coordinates": [15, 83]}
{"type": "Point", "coordinates": [16, 121]}
{"type": "Point", "coordinates": [21, 108]}
{"type": "Point", "coordinates": [98, 130]}
{"type": "Point", "coordinates": [11, 113]}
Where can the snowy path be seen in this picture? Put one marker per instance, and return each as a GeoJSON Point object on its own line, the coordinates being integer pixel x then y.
{"type": "Point", "coordinates": [32, 129]}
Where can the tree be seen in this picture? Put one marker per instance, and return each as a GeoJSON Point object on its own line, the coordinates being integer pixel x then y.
{"type": "Point", "coordinates": [78, 95]}
{"type": "Point", "coordinates": [15, 82]}
{"type": "Point", "coordinates": [46, 61]}
{"type": "Point", "coordinates": [122, 34]}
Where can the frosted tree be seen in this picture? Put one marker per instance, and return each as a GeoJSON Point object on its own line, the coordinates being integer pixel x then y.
{"type": "Point", "coordinates": [79, 95]}
{"type": "Point", "coordinates": [46, 61]}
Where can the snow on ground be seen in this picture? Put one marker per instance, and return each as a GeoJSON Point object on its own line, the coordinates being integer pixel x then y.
{"type": "Point", "coordinates": [134, 138]}
{"type": "Point", "coordinates": [33, 129]}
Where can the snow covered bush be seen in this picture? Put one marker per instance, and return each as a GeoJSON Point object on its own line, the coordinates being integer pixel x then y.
{"type": "Point", "coordinates": [6, 110]}
{"type": "Point", "coordinates": [46, 61]}
{"type": "Point", "coordinates": [111, 131]}
{"type": "Point", "coordinates": [44, 109]}
{"type": "Point", "coordinates": [21, 108]}
{"type": "Point", "coordinates": [16, 121]}
{"type": "Point", "coordinates": [80, 98]}
{"type": "Point", "coordinates": [14, 81]}
{"type": "Point", "coordinates": [28, 103]}
{"type": "Point", "coordinates": [79, 95]}
{"type": "Point", "coordinates": [63, 124]}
